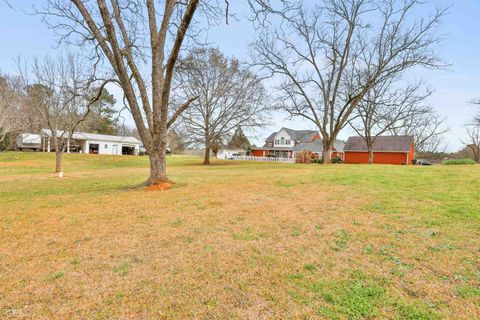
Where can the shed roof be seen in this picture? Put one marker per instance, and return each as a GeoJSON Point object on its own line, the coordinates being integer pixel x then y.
{"type": "Point", "coordinates": [381, 144]}
{"type": "Point", "coordinates": [97, 137]}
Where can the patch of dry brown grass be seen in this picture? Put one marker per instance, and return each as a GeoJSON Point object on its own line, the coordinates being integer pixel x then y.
{"type": "Point", "coordinates": [227, 242]}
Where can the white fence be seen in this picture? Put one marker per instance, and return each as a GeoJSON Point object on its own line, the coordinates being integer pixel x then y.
{"type": "Point", "coordinates": [264, 159]}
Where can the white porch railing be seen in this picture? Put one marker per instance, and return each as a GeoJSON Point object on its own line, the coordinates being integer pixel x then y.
{"type": "Point", "coordinates": [264, 159]}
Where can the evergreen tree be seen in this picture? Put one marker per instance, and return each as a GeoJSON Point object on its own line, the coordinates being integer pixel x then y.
{"type": "Point", "coordinates": [239, 140]}
{"type": "Point", "coordinates": [102, 118]}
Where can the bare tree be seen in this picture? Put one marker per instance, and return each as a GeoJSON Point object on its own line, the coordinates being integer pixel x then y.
{"type": "Point", "coordinates": [176, 141]}
{"type": "Point", "coordinates": [473, 135]}
{"type": "Point", "coordinates": [59, 91]}
{"type": "Point", "coordinates": [9, 107]}
{"type": "Point", "coordinates": [428, 130]}
{"type": "Point", "coordinates": [141, 42]}
{"type": "Point", "coordinates": [386, 108]}
{"type": "Point", "coordinates": [15, 117]}
{"type": "Point", "coordinates": [229, 96]}
{"type": "Point", "coordinates": [473, 140]}
{"type": "Point", "coordinates": [318, 51]}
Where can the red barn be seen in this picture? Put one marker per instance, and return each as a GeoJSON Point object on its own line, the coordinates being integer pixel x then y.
{"type": "Point", "coordinates": [386, 150]}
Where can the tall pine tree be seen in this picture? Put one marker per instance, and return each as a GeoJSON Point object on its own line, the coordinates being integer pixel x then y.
{"type": "Point", "coordinates": [239, 140]}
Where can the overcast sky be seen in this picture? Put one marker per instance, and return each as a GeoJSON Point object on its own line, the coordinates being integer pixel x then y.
{"type": "Point", "coordinates": [454, 88]}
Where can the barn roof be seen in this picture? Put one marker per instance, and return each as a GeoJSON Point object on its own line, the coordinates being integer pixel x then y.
{"type": "Point", "coordinates": [381, 144]}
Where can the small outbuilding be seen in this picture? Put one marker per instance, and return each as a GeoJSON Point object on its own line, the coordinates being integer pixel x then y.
{"type": "Point", "coordinates": [398, 150]}
{"type": "Point", "coordinates": [94, 143]}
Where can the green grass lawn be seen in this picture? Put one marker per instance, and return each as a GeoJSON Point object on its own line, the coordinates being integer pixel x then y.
{"type": "Point", "coordinates": [237, 240]}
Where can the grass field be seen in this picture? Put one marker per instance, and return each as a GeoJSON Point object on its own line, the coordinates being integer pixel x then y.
{"type": "Point", "coordinates": [237, 240]}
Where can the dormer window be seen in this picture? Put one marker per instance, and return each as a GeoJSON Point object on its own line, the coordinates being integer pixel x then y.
{"type": "Point", "coordinates": [282, 141]}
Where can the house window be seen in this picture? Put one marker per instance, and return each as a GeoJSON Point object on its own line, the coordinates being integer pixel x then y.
{"type": "Point", "coordinates": [287, 142]}
{"type": "Point", "coordinates": [106, 146]}
{"type": "Point", "coordinates": [282, 141]}
{"type": "Point", "coordinates": [277, 141]}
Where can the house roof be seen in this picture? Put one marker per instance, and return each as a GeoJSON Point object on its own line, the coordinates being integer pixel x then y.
{"type": "Point", "coordinates": [381, 144]}
{"type": "Point", "coordinates": [317, 146]}
{"type": "Point", "coordinates": [271, 137]}
{"type": "Point", "coordinates": [96, 137]}
{"type": "Point", "coordinates": [314, 146]}
{"type": "Point", "coordinates": [297, 135]}
{"type": "Point", "coordinates": [300, 135]}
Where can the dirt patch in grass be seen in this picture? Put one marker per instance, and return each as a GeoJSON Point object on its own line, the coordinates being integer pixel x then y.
{"type": "Point", "coordinates": [160, 187]}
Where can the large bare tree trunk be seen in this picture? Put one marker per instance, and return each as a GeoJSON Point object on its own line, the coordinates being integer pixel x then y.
{"type": "Point", "coordinates": [370, 156]}
{"type": "Point", "coordinates": [327, 155]}
{"type": "Point", "coordinates": [158, 163]}
{"type": "Point", "coordinates": [158, 166]}
{"type": "Point", "coordinates": [370, 152]}
{"type": "Point", "coordinates": [206, 159]}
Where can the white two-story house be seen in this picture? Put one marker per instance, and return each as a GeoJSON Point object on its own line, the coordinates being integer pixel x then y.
{"type": "Point", "coordinates": [285, 142]}
{"type": "Point", "coordinates": [281, 143]}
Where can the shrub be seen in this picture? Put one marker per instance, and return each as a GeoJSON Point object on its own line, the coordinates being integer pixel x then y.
{"type": "Point", "coordinates": [303, 157]}
{"type": "Point", "coordinates": [336, 160]}
{"type": "Point", "coordinates": [458, 161]}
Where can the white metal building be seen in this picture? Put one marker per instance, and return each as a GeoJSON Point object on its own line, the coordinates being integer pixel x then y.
{"type": "Point", "coordinates": [95, 143]}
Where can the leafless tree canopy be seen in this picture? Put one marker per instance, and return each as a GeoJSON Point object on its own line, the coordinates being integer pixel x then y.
{"type": "Point", "coordinates": [228, 96]}
{"type": "Point", "coordinates": [472, 140]}
{"type": "Point", "coordinates": [386, 108]}
{"type": "Point", "coordinates": [60, 92]}
{"type": "Point", "coordinates": [14, 117]}
{"type": "Point", "coordinates": [328, 55]}
{"type": "Point", "coordinates": [428, 129]}
{"type": "Point", "coordinates": [139, 41]}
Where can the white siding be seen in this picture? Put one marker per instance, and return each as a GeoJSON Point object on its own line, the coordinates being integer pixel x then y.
{"type": "Point", "coordinates": [107, 147]}
{"type": "Point", "coordinates": [286, 138]}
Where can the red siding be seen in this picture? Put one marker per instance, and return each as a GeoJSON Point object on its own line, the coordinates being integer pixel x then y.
{"type": "Point", "coordinates": [411, 155]}
{"type": "Point", "coordinates": [259, 153]}
{"type": "Point", "coordinates": [381, 157]}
